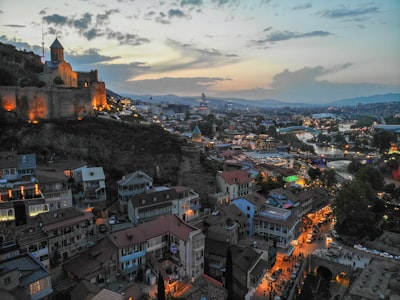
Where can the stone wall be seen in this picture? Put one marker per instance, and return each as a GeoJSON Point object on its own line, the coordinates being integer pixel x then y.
{"type": "Point", "coordinates": [32, 103]}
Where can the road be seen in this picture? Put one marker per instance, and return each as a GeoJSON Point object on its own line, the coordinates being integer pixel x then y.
{"type": "Point", "coordinates": [348, 256]}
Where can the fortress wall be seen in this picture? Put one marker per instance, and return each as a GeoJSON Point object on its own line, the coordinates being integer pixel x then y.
{"type": "Point", "coordinates": [32, 103]}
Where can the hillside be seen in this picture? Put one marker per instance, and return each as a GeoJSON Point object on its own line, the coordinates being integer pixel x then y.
{"type": "Point", "coordinates": [117, 147]}
{"type": "Point", "coordinates": [19, 68]}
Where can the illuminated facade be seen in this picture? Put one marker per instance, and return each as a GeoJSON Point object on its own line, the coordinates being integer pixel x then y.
{"type": "Point", "coordinates": [66, 94]}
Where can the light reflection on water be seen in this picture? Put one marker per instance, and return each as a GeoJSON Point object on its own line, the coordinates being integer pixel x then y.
{"type": "Point", "coordinates": [340, 166]}
{"type": "Point", "coordinates": [319, 150]}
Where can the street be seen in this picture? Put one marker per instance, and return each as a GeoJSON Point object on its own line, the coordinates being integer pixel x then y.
{"type": "Point", "coordinates": [280, 287]}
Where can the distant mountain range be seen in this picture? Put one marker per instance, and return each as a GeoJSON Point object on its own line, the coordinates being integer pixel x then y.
{"type": "Point", "coordinates": [268, 103]}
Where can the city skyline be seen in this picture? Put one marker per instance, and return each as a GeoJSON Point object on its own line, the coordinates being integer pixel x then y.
{"type": "Point", "coordinates": [294, 51]}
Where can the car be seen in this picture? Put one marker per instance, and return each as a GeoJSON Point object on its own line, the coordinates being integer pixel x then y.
{"type": "Point", "coordinates": [335, 245]}
{"type": "Point", "coordinates": [275, 274]}
{"type": "Point", "coordinates": [293, 275]}
{"type": "Point", "coordinates": [360, 247]}
{"type": "Point", "coordinates": [373, 251]}
{"type": "Point", "coordinates": [102, 228]}
{"type": "Point", "coordinates": [329, 238]}
{"type": "Point", "coordinates": [386, 255]}
{"type": "Point", "coordinates": [112, 220]}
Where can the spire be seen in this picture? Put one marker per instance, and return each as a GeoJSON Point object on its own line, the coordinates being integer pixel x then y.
{"type": "Point", "coordinates": [57, 52]}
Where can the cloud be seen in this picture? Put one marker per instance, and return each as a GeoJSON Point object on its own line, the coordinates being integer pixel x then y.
{"type": "Point", "coordinates": [83, 22]}
{"type": "Point", "coordinates": [191, 57]}
{"type": "Point", "coordinates": [127, 38]}
{"type": "Point", "coordinates": [305, 85]}
{"type": "Point", "coordinates": [169, 85]}
{"type": "Point", "coordinates": [345, 12]}
{"type": "Point", "coordinates": [172, 13]}
{"type": "Point", "coordinates": [55, 19]}
{"type": "Point", "coordinates": [192, 2]}
{"type": "Point", "coordinates": [102, 19]}
{"type": "Point", "coordinates": [302, 6]}
{"type": "Point", "coordinates": [288, 35]}
{"type": "Point", "coordinates": [88, 57]}
{"type": "Point", "coordinates": [14, 25]}
{"type": "Point", "coordinates": [279, 36]}
{"type": "Point", "coordinates": [92, 27]}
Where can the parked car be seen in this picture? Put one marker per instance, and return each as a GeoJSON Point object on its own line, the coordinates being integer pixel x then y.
{"type": "Point", "coordinates": [386, 255]}
{"type": "Point", "coordinates": [102, 228]}
{"type": "Point", "coordinates": [112, 220]}
{"type": "Point", "coordinates": [275, 274]}
{"type": "Point", "coordinates": [335, 245]}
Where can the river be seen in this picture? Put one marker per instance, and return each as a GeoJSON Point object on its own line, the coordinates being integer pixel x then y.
{"type": "Point", "coordinates": [340, 166]}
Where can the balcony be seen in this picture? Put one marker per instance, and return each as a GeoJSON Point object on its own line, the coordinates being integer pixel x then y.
{"type": "Point", "coordinates": [132, 256]}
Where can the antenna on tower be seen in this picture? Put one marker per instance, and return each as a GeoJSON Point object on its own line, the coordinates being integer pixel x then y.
{"type": "Point", "coordinates": [42, 46]}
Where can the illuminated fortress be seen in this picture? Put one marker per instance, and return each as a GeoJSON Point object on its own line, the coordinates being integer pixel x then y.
{"type": "Point", "coordinates": [65, 94]}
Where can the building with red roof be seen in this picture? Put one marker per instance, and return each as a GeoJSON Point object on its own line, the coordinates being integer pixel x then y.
{"type": "Point", "coordinates": [236, 183]}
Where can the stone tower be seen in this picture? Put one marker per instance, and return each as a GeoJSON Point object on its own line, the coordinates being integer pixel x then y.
{"type": "Point", "coordinates": [57, 52]}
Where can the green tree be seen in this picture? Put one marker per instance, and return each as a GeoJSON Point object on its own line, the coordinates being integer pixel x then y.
{"type": "Point", "coordinates": [329, 177]}
{"type": "Point", "coordinates": [383, 140]}
{"type": "Point", "coordinates": [314, 173]}
{"type": "Point", "coordinates": [58, 80]}
{"type": "Point", "coordinates": [372, 176]}
{"type": "Point", "coordinates": [353, 167]}
{"type": "Point", "coordinates": [352, 209]}
{"type": "Point", "coordinates": [271, 131]}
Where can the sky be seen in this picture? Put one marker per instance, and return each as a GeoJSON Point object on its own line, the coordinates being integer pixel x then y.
{"type": "Point", "coordinates": [289, 50]}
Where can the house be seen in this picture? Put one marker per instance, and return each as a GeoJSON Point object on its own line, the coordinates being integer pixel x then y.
{"type": "Point", "coordinates": [54, 186]}
{"type": "Point", "coordinates": [166, 244]}
{"type": "Point", "coordinates": [215, 257]}
{"type": "Point", "coordinates": [235, 183]}
{"type": "Point", "coordinates": [20, 202]}
{"type": "Point", "coordinates": [279, 225]}
{"type": "Point", "coordinates": [69, 231]}
{"type": "Point", "coordinates": [227, 224]}
{"type": "Point", "coordinates": [130, 185]}
{"type": "Point", "coordinates": [25, 277]}
{"type": "Point", "coordinates": [97, 265]}
{"type": "Point", "coordinates": [250, 205]}
{"type": "Point", "coordinates": [8, 166]}
{"type": "Point", "coordinates": [93, 182]}
{"type": "Point", "coordinates": [248, 270]}
{"type": "Point", "coordinates": [187, 205]}
{"type": "Point", "coordinates": [151, 205]}
{"type": "Point", "coordinates": [26, 165]}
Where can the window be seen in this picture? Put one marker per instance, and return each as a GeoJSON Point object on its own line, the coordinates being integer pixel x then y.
{"type": "Point", "coordinates": [7, 280]}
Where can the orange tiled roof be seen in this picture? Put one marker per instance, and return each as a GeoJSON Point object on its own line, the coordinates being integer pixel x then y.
{"type": "Point", "coordinates": [236, 177]}
{"type": "Point", "coordinates": [168, 224]}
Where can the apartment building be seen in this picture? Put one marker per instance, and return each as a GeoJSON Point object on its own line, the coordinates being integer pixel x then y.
{"type": "Point", "coordinates": [130, 185]}
{"type": "Point", "coordinates": [236, 183]}
{"type": "Point", "coordinates": [165, 244]}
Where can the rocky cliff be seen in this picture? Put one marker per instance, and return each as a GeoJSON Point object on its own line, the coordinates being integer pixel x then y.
{"type": "Point", "coordinates": [118, 147]}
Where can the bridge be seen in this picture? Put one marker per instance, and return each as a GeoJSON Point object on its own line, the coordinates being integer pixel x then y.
{"type": "Point", "coordinates": [298, 128]}
{"type": "Point", "coordinates": [335, 157]}
{"type": "Point", "coordinates": [339, 274]}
